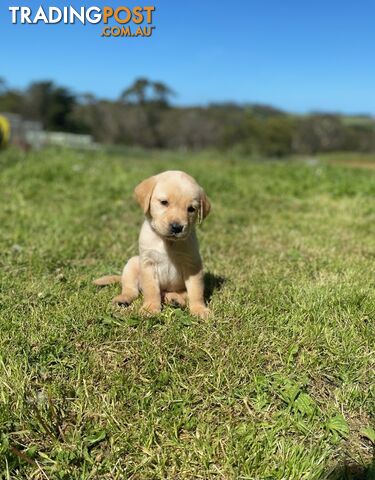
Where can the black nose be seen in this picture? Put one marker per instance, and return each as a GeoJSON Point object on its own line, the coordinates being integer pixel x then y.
{"type": "Point", "coordinates": [176, 228]}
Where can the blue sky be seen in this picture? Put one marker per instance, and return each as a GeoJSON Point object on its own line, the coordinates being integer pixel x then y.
{"type": "Point", "coordinates": [298, 55]}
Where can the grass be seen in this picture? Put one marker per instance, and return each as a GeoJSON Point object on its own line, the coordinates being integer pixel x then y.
{"type": "Point", "coordinates": [278, 384]}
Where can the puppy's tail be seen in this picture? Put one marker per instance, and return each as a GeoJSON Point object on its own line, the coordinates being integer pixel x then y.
{"type": "Point", "coordinates": [107, 280]}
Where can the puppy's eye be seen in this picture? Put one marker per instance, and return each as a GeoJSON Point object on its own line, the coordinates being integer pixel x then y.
{"type": "Point", "coordinates": [164, 202]}
{"type": "Point", "coordinates": [191, 209]}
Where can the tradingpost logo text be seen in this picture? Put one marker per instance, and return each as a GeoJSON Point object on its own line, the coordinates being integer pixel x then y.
{"type": "Point", "coordinates": [124, 21]}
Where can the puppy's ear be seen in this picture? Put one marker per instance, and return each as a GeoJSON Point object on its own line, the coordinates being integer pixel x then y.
{"type": "Point", "coordinates": [143, 192]}
{"type": "Point", "coordinates": [204, 208]}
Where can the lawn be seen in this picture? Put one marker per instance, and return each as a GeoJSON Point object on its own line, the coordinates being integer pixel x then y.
{"type": "Point", "coordinates": [278, 384]}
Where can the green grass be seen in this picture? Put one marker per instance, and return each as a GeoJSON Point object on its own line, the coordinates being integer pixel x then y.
{"type": "Point", "coordinates": [276, 385]}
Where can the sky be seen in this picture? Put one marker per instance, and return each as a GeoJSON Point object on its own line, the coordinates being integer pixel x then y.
{"type": "Point", "coordinates": [296, 55]}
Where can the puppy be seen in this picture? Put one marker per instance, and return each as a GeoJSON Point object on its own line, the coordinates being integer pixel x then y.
{"type": "Point", "coordinates": [169, 266]}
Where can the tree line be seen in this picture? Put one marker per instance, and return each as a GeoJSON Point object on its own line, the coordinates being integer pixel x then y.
{"type": "Point", "coordinates": [145, 116]}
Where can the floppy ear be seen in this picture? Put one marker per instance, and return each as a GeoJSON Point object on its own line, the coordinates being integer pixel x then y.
{"type": "Point", "coordinates": [143, 193]}
{"type": "Point", "coordinates": [204, 208]}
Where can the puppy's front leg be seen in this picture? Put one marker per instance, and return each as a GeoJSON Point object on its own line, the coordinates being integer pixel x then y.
{"type": "Point", "coordinates": [195, 290]}
{"type": "Point", "coordinates": [151, 289]}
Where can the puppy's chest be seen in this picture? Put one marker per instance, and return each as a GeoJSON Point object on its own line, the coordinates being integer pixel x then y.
{"type": "Point", "coordinates": [169, 274]}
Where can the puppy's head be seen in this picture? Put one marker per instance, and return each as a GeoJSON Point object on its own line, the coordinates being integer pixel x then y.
{"type": "Point", "coordinates": [174, 202]}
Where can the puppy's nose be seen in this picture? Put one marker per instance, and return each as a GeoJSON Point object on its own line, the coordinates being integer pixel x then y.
{"type": "Point", "coordinates": [176, 228]}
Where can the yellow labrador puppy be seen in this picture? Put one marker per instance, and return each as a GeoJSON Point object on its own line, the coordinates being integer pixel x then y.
{"type": "Point", "coordinates": [169, 266]}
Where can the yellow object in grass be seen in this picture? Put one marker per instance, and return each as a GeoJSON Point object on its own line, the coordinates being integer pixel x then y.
{"type": "Point", "coordinates": [4, 131]}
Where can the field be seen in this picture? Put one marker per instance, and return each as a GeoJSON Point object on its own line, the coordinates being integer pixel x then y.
{"type": "Point", "coordinates": [278, 384]}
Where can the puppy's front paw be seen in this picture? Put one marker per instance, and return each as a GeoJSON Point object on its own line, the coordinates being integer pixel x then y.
{"type": "Point", "coordinates": [175, 299]}
{"type": "Point", "coordinates": [150, 309]}
{"type": "Point", "coordinates": [121, 301]}
{"type": "Point", "coordinates": [200, 311]}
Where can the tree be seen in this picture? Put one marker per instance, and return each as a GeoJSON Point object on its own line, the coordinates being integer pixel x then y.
{"type": "Point", "coordinates": [12, 101]}
{"type": "Point", "coordinates": [144, 91]}
{"type": "Point", "coordinates": [319, 133]}
{"type": "Point", "coordinates": [137, 92]}
{"type": "Point", "coordinates": [3, 86]}
{"type": "Point", "coordinates": [86, 98]}
{"type": "Point", "coordinates": [51, 105]}
{"type": "Point", "coordinates": [277, 136]}
{"type": "Point", "coordinates": [161, 93]}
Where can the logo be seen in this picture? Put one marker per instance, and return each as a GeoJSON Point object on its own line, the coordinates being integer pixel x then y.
{"type": "Point", "coordinates": [122, 21]}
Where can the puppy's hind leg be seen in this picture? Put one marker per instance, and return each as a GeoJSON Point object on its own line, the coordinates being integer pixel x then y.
{"type": "Point", "coordinates": [129, 282]}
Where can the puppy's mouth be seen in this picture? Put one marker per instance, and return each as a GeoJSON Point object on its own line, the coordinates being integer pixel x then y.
{"type": "Point", "coordinates": [174, 237]}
